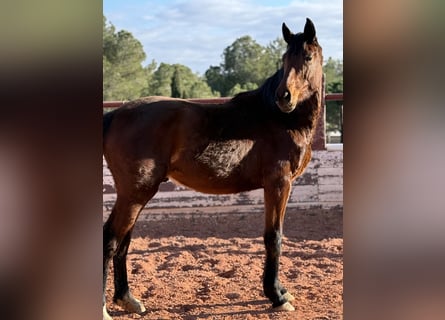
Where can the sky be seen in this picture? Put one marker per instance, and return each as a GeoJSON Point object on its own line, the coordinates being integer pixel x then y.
{"type": "Point", "coordinates": [196, 32]}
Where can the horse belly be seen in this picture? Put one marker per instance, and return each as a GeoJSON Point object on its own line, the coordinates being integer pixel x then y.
{"type": "Point", "coordinates": [221, 167]}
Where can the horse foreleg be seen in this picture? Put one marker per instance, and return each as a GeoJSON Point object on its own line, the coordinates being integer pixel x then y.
{"type": "Point", "coordinates": [276, 194]}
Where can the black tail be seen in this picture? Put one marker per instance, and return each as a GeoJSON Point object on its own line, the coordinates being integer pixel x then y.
{"type": "Point", "coordinates": [107, 118]}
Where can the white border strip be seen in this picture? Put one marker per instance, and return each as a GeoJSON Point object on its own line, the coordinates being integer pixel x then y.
{"type": "Point", "coordinates": [334, 146]}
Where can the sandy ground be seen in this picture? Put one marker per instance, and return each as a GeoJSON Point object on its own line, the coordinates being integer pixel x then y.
{"type": "Point", "coordinates": [210, 267]}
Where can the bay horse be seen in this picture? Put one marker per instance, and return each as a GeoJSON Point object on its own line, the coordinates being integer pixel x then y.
{"type": "Point", "coordinates": [258, 139]}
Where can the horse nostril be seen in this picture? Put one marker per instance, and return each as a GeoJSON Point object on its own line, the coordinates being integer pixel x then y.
{"type": "Point", "coordinates": [286, 96]}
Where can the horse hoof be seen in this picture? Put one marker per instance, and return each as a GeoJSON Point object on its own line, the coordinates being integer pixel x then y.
{"type": "Point", "coordinates": [284, 307]}
{"type": "Point", "coordinates": [288, 297]}
{"type": "Point", "coordinates": [105, 315]}
{"type": "Point", "coordinates": [130, 304]}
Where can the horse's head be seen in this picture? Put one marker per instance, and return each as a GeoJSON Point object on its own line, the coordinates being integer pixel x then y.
{"type": "Point", "coordinates": [302, 68]}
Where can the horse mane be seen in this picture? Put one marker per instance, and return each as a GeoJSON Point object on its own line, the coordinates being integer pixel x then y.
{"type": "Point", "coordinates": [265, 93]}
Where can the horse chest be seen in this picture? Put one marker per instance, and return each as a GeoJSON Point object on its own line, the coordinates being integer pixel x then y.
{"type": "Point", "coordinates": [299, 160]}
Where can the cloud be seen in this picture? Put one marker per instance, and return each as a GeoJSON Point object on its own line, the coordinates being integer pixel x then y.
{"type": "Point", "coordinates": [195, 32]}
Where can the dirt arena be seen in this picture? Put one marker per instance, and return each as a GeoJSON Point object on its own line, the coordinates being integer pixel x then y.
{"type": "Point", "coordinates": [210, 267]}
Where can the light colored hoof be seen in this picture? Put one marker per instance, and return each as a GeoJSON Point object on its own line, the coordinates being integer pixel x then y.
{"type": "Point", "coordinates": [289, 297]}
{"type": "Point", "coordinates": [130, 304]}
{"type": "Point", "coordinates": [105, 315]}
{"type": "Point", "coordinates": [284, 307]}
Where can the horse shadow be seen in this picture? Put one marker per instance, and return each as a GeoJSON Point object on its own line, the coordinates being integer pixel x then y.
{"type": "Point", "coordinates": [181, 310]}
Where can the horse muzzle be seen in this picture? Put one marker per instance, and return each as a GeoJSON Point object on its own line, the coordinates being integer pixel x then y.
{"type": "Point", "coordinates": [285, 102]}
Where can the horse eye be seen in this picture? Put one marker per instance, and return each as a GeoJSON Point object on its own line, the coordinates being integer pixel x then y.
{"type": "Point", "coordinates": [308, 57]}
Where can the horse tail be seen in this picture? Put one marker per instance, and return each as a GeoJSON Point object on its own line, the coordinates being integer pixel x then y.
{"type": "Point", "coordinates": [106, 122]}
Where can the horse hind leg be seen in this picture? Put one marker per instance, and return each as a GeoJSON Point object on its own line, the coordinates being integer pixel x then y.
{"type": "Point", "coordinates": [122, 296]}
{"type": "Point", "coordinates": [117, 236]}
{"type": "Point", "coordinates": [110, 245]}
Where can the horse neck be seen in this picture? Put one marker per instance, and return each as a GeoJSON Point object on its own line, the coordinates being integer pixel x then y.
{"type": "Point", "coordinates": [303, 118]}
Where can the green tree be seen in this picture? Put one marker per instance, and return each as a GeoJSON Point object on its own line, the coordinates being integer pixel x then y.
{"type": "Point", "coordinates": [274, 54]}
{"type": "Point", "coordinates": [246, 65]}
{"type": "Point", "coordinates": [242, 61]}
{"type": "Point", "coordinates": [124, 77]}
{"type": "Point", "coordinates": [200, 89]}
{"type": "Point", "coordinates": [216, 80]}
{"type": "Point", "coordinates": [238, 88]}
{"type": "Point", "coordinates": [160, 82]}
{"type": "Point", "coordinates": [333, 70]}
{"type": "Point", "coordinates": [176, 85]}
{"type": "Point", "coordinates": [178, 81]}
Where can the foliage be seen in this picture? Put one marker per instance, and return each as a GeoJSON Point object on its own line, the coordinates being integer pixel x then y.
{"type": "Point", "coordinates": [333, 70]}
{"type": "Point", "coordinates": [246, 65]}
{"type": "Point", "coordinates": [177, 84]}
{"type": "Point", "coordinates": [241, 88]}
{"type": "Point", "coordinates": [123, 75]}
{"type": "Point", "coordinates": [178, 81]}
{"type": "Point", "coordinates": [125, 78]}
{"type": "Point", "coordinates": [243, 62]}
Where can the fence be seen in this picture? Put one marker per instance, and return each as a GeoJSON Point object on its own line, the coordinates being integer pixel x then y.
{"type": "Point", "coordinates": [320, 186]}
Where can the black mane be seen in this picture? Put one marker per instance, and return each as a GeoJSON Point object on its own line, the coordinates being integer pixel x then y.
{"type": "Point", "coordinates": [268, 88]}
{"type": "Point", "coordinates": [265, 93]}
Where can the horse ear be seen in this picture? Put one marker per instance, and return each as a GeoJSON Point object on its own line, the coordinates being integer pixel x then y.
{"type": "Point", "coordinates": [309, 31]}
{"type": "Point", "coordinates": [287, 34]}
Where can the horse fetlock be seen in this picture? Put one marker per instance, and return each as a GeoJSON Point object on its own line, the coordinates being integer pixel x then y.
{"type": "Point", "coordinates": [288, 297]}
{"type": "Point", "coordinates": [285, 307]}
{"type": "Point", "coordinates": [130, 304]}
{"type": "Point", "coordinates": [271, 293]}
{"type": "Point", "coordinates": [105, 315]}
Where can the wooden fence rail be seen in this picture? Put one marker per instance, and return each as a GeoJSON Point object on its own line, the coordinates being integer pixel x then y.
{"type": "Point", "coordinates": [117, 104]}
